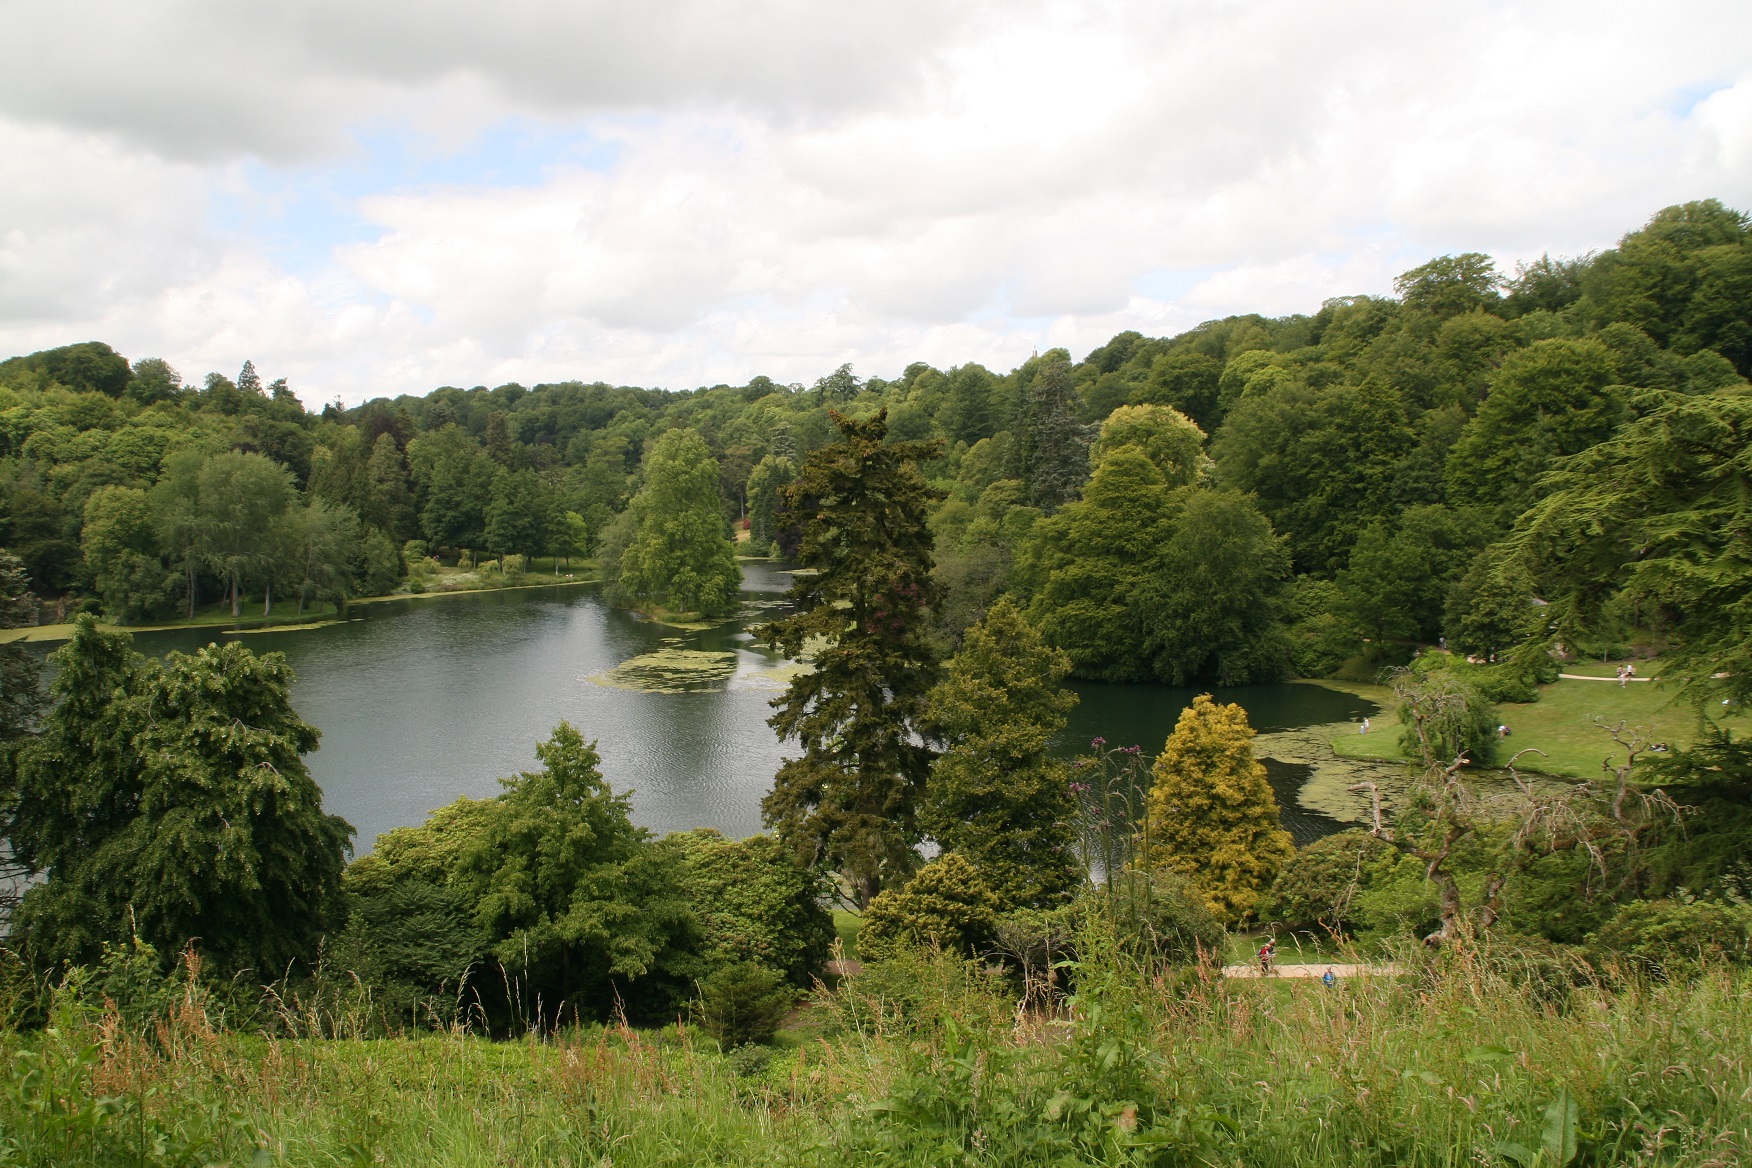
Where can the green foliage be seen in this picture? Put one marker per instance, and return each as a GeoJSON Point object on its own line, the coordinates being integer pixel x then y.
{"type": "Point", "coordinates": [516, 516]}
{"type": "Point", "coordinates": [89, 367]}
{"type": "Point", "coordinates": [744, 1003]}
{"type": "Point", "coordinates": [755, 904]}
{"type": "Point", "coordinates": [1094, 560]}
{"type": "Point", "coordinates": [1318, 889]}
{"type": "Point", "coordinates": [864, 604]}
{"type": "Point", "coordinates": [771, 475]}
{"type": "Point", "coordinates": [121, 553]}
{"type": "Point", "coordinates": [679, 556]}
{"type": "Point", "coordinates": [1167, 437]}
{"type": "Point", "coordinates": [21, 684]}
{"type": "Point", "coordinates": [573, 897]}
{"type": "Point", "coordinates": [1450, 285]}
{"type": "Point", "coordinates": [1212, 815]}
{"type": "Point", "coordinates": [1672, 939]}
{"type": "Point", "coordinates": [1549, 400]}
{"type": "Point", "coordinates": [1322, 463]}
{"type": "Point", "coordinates": [947, 906]}
{"type": "Point", "coordinates": [1056, 444]}
{"type": "Point", "coordinates": [1400, 573]}
{"type": "Point", "coordinates": [1492, 608]}
{"type": "Point", "coordinates": [1138, 582]}
{"type": "Point", "coordinates": [1186, 380]}
{"type": "Point", "coordinates": [382, 566]}
{"type": "Point", "coordinates": [1155, 918]}
{"type": "Point", "coordinates": [1676, 278]}
{"type": "Point", "coordinates": [1654, 520]}
{"type": "Point", "coordinates": [1444, 713]}
{"type": "Point", "coordinates": [238, 499]}
{"type": "Point", "coordinates": [994, 797]}
{"type": "Point", "coordinates": [1211, 607]}
{"type": "Point", "coordinates": [411, 933]}
{"type": "Point", "coordinates": [171, 802]}
{"type": "Point", "coordinates": [1320, 639]}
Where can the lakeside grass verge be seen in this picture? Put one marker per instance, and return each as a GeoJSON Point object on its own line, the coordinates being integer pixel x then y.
{"type": "Point", "coordinates": [219, 619]}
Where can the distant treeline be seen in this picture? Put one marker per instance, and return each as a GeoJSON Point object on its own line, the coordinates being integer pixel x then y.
{"type": "Point", "coordinates": [1255, 497]}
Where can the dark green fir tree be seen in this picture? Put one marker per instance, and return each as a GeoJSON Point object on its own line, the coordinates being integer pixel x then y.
{"type": "Point", "coordinates": [864, 606]}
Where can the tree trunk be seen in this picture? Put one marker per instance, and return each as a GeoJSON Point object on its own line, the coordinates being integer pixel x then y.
{"type": "Point", "coordinates": [235, 610]}
{"type": "Point", "coordinates": [267, 598]}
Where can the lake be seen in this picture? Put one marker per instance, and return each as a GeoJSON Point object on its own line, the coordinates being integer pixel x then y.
{"type": "Point", "coordinates": [423, 700]}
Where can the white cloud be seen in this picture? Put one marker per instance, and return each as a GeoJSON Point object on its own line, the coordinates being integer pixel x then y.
{"type": "Point", "coordinates": [794, 185]}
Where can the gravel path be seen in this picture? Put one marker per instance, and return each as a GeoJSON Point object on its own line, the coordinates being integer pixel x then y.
{"type": "Point", "coordinates": [1314, 971]}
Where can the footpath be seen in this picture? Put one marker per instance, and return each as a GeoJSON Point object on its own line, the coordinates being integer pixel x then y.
{"type": "Point", "coordinates": [1313, 971]}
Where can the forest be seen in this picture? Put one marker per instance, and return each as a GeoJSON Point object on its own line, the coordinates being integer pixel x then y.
{"type": "Point", "coordinates": [954, 946]}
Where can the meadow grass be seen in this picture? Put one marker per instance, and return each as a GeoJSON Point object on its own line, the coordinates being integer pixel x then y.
{"type": "Point", "coordinates": [1469, 1059]}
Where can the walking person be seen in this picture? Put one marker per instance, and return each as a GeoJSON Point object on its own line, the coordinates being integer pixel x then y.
{"type": "Point", "coordinates": [1267, 952]}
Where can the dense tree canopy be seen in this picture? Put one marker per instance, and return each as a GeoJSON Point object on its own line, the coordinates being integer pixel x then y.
{"type": "Point", "coordinates": [1390, 443]}
{"type": "Point", "coordinates": [679, 556]}
{"type": "Point", "coordinates": [172, 802]}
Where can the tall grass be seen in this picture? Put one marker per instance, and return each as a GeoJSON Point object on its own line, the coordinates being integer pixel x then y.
{"type": "Point", "coordinates": [1470, 1059]}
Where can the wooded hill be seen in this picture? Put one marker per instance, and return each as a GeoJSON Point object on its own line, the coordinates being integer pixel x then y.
{"type": "Point", "coordinates": [1255, 497]}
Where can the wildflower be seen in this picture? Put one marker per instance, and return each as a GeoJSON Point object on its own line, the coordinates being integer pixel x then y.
{"type": "Point", "coordinates": [1097, 743]}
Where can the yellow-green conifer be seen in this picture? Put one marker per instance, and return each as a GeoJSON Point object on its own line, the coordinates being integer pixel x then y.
{"type": "Point", "coordinates": [1212, 815]}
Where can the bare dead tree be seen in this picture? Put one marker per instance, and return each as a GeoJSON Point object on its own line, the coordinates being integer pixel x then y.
{"type": "Point", "coordinates": [1609, 823]}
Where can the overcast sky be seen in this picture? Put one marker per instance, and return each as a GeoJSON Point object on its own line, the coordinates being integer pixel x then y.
{"type": "Point", "coordinates": [382, 196]}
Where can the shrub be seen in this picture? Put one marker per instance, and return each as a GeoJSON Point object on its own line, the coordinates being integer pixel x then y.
{"type": "Point", "coordinates": [754, 903]}
{"type": "Point", "coordinates": [1668, 939]}
{"type": "Point", "coordinates": [744, 1003]}
{"type": "Point", "coordinates": [1160, 919]}
{"type": "Point", "coordinates": [1319, 888]}
{"type": "Point", "coordinates": [1213, 816]}
{"type": "Point", "coordinates": [947, 905]}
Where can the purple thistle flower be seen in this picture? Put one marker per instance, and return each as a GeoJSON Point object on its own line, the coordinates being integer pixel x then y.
{"type": "Point", "coordinates": [1097, 743]}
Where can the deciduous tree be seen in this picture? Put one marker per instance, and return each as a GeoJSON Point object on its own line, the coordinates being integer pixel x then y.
{"type": "Point", "coordinates": [679, 557]}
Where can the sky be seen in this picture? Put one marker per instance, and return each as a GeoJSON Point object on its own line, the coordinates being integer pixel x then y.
{"type": "Point", "coordinates": [376, 197]}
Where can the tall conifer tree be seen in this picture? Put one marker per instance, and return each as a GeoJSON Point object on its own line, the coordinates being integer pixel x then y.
{"type": "Point", "coordinates": [995, 797]}
{"type": "Point", "coordinates": [850, 800]}
{"type": "Point", "coordinates": [1057, 450]}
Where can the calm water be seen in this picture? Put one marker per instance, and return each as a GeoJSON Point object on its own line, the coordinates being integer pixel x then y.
{"type": "Point", "coordinates": [422, 701]}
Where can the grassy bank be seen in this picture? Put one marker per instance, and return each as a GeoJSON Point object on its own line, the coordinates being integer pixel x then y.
{"type": "Point", "coordinates": [285, 617]}
{"type": "Point", "coordinates": [1561, 722]}
{"type": "Point", "coordinates": [930, 1063]}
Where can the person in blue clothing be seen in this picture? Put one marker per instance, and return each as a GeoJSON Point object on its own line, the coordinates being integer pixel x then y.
{"type": "Point", "coordinates": [1328, 978]}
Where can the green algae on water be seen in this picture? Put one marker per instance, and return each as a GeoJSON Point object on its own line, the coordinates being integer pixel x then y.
{"type": "Point", "coordinates": [672, 671]}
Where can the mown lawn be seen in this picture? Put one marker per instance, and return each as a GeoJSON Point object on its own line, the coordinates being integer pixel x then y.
{"type": "Point", "coordinates": [1562, 723]}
